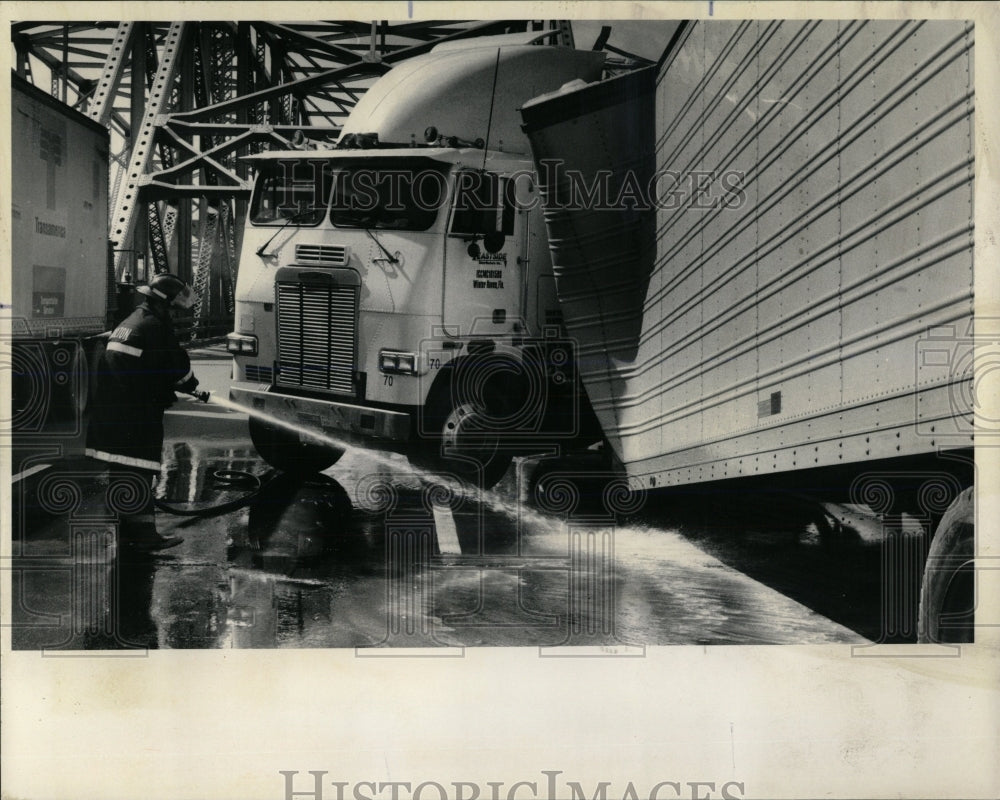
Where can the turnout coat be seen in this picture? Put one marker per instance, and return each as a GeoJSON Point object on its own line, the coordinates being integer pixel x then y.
{"type": "Point", "coordinates": [141, 368]}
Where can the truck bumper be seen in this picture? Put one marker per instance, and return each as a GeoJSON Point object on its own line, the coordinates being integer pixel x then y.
{"type": "Point", "coordinates": [348, 421]}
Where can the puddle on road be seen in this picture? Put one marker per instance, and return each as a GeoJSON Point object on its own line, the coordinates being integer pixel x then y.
{"type": "Point", "coordinates": [350, 558]}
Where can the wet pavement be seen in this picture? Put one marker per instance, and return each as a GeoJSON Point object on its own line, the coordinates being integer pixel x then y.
{"type": "Point", "coordinates": [369, 556]}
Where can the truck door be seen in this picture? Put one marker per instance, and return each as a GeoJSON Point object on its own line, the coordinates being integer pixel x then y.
{"type": "Point", "coordinates": [482, 278]}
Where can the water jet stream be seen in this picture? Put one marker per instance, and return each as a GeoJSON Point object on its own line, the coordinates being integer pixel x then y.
{"type": "Point", "coordinates": [486, 497]}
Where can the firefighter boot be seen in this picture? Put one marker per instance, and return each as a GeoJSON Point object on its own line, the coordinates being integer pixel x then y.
{"type": "Point", "coordinates": [137, 519]}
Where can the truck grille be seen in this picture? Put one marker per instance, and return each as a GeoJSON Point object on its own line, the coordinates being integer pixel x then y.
{"type": "Point", "coordinates": [258, 373]}
{"type": "Point", "coordinates": [326, 254]}
{"type": "Point", "coordinates": [317, 331]}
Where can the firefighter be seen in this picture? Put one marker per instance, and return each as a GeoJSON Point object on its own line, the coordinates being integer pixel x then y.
{"type": "Point", "coordinates": [141, 368]}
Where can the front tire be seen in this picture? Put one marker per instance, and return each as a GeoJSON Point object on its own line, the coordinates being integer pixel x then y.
{"type": "Point", "coordinates": [284, 450]}
{"type": "Point", "coordinates": [474, 416]}
{"type": "Point", "coordinates": [468, 447]}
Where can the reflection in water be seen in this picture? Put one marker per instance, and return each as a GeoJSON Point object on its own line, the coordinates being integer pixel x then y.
{"type": "Point", "coordinates": [296, 555]}
{"type": "Point", "coordinates": [308, 570]}
{"type": "Point", "coordinates": [132, 613]}
{"type": "Point", "coordinates": [92, 598]}
{"type": "Point", "coordinates": [292, 521]}
{"type": "Point", "coordinates": [186, 471]}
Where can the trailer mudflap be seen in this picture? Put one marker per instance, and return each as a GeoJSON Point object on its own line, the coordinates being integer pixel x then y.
{"type": "Point", "coordinates": [324, 415]}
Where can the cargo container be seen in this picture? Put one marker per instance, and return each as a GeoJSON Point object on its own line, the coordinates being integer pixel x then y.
{"type": "Point", "coordinates": [63, 288]}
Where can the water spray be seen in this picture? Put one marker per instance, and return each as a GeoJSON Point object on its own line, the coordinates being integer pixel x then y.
{"type": "Point", "coordinates": [486, 497]}
{"type": "Point", "coordinates": [383, 459]}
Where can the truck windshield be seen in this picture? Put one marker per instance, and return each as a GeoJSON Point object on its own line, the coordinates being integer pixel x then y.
{"type": "Point", "coordinates": [389, 194]}
{"type": "Point", "coordinates": [292, 191]}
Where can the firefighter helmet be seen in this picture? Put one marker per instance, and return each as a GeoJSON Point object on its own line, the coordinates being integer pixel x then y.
{"type": "Point", "coordinates": [169, 288]}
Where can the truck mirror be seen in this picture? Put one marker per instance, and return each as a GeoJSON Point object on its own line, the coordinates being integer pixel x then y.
{"type": "Point", "coordinates": [494, 241]}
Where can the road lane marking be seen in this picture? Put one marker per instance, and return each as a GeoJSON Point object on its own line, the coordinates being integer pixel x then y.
{"type": "Point", "coordinates": [447, 535]}
{"type": "Point", "coordinates": [27, 473]}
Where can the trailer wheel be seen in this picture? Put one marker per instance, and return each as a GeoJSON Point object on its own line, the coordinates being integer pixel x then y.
{"type": "Point", "coordinates": [947, 593]}
{"type": "Point", "coordinates": [284, 450]}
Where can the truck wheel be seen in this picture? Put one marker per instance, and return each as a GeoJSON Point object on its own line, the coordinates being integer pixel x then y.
{"type": "Point", "coordinates": [283, 450]}
{"type": "Point", "coordinates": [947, 591]}
{"type": "Point", "coordinates": [470, 415]}
{"type": "Point", "coordinates": [469, 449]}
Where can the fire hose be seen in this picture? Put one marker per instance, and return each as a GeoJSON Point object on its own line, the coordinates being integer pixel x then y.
{"type": "Point", "coordinates": [227, 477]}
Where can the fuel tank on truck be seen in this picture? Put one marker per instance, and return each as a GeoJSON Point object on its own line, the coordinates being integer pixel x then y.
{"type": "Point", "coordinates": [594, 154]}
{"type": "Point", "coordinates": [469, 91]}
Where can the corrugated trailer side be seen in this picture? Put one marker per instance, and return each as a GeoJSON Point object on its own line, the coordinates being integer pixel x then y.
{"type": "Point", "coordinates": [786, 333]}
{"type": "Point", "coordinates": [809, 306]}
{"type": "Point", "coordinates": [814, 239]}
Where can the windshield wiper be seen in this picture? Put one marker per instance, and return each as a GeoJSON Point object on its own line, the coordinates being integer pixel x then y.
{"type": "Point", "coordinates": [388, 256]}
{"type": "Point", "coordinates": [289, 221]}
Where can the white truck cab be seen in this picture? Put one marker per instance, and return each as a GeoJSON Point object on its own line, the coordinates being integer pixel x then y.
{"type": "Point", "coordinates": [396, 288]}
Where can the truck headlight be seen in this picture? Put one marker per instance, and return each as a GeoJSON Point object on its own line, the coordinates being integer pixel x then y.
{"type": "Point", "coordinates": [397, 362]}
{"type": "Point", "coordinates": [240, 344]}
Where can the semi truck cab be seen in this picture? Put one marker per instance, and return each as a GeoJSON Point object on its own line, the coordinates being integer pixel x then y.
{"type": "Point", "coordinates": [396, 289]}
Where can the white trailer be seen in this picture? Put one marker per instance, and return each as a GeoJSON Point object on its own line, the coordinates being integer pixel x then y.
{"type": "Point", "coordinates": [796, 291]}
{"type": "Point", "coordinates": [63, 288]}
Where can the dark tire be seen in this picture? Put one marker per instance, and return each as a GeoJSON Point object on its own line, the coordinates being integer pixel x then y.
{"type": "Point", "coordinates": [947, 593]}
{"type": "Point", "coordinates": [284, 450]}
{"type": "Point", "coordinates": [467, 446]}
{"type": "Point", "coordinates": [473, 417]}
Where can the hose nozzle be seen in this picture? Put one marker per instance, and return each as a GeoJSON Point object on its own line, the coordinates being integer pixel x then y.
{"type": "Point", "coordinates": [203, 396]}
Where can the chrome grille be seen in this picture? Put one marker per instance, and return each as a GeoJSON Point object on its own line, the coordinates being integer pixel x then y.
{"type": "Point", "coordinates": [317, 328]}
{"type": "Point", "coordinates": [258, 373]}
{"type": "Point", "coordinates": [327, 254]}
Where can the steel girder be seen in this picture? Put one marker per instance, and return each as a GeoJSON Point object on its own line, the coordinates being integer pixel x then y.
{"type": "Point", "coordinates": [126, 205]}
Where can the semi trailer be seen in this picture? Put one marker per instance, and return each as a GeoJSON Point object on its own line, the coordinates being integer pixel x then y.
{"type": "Point", "coordinates": [62, 281]}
